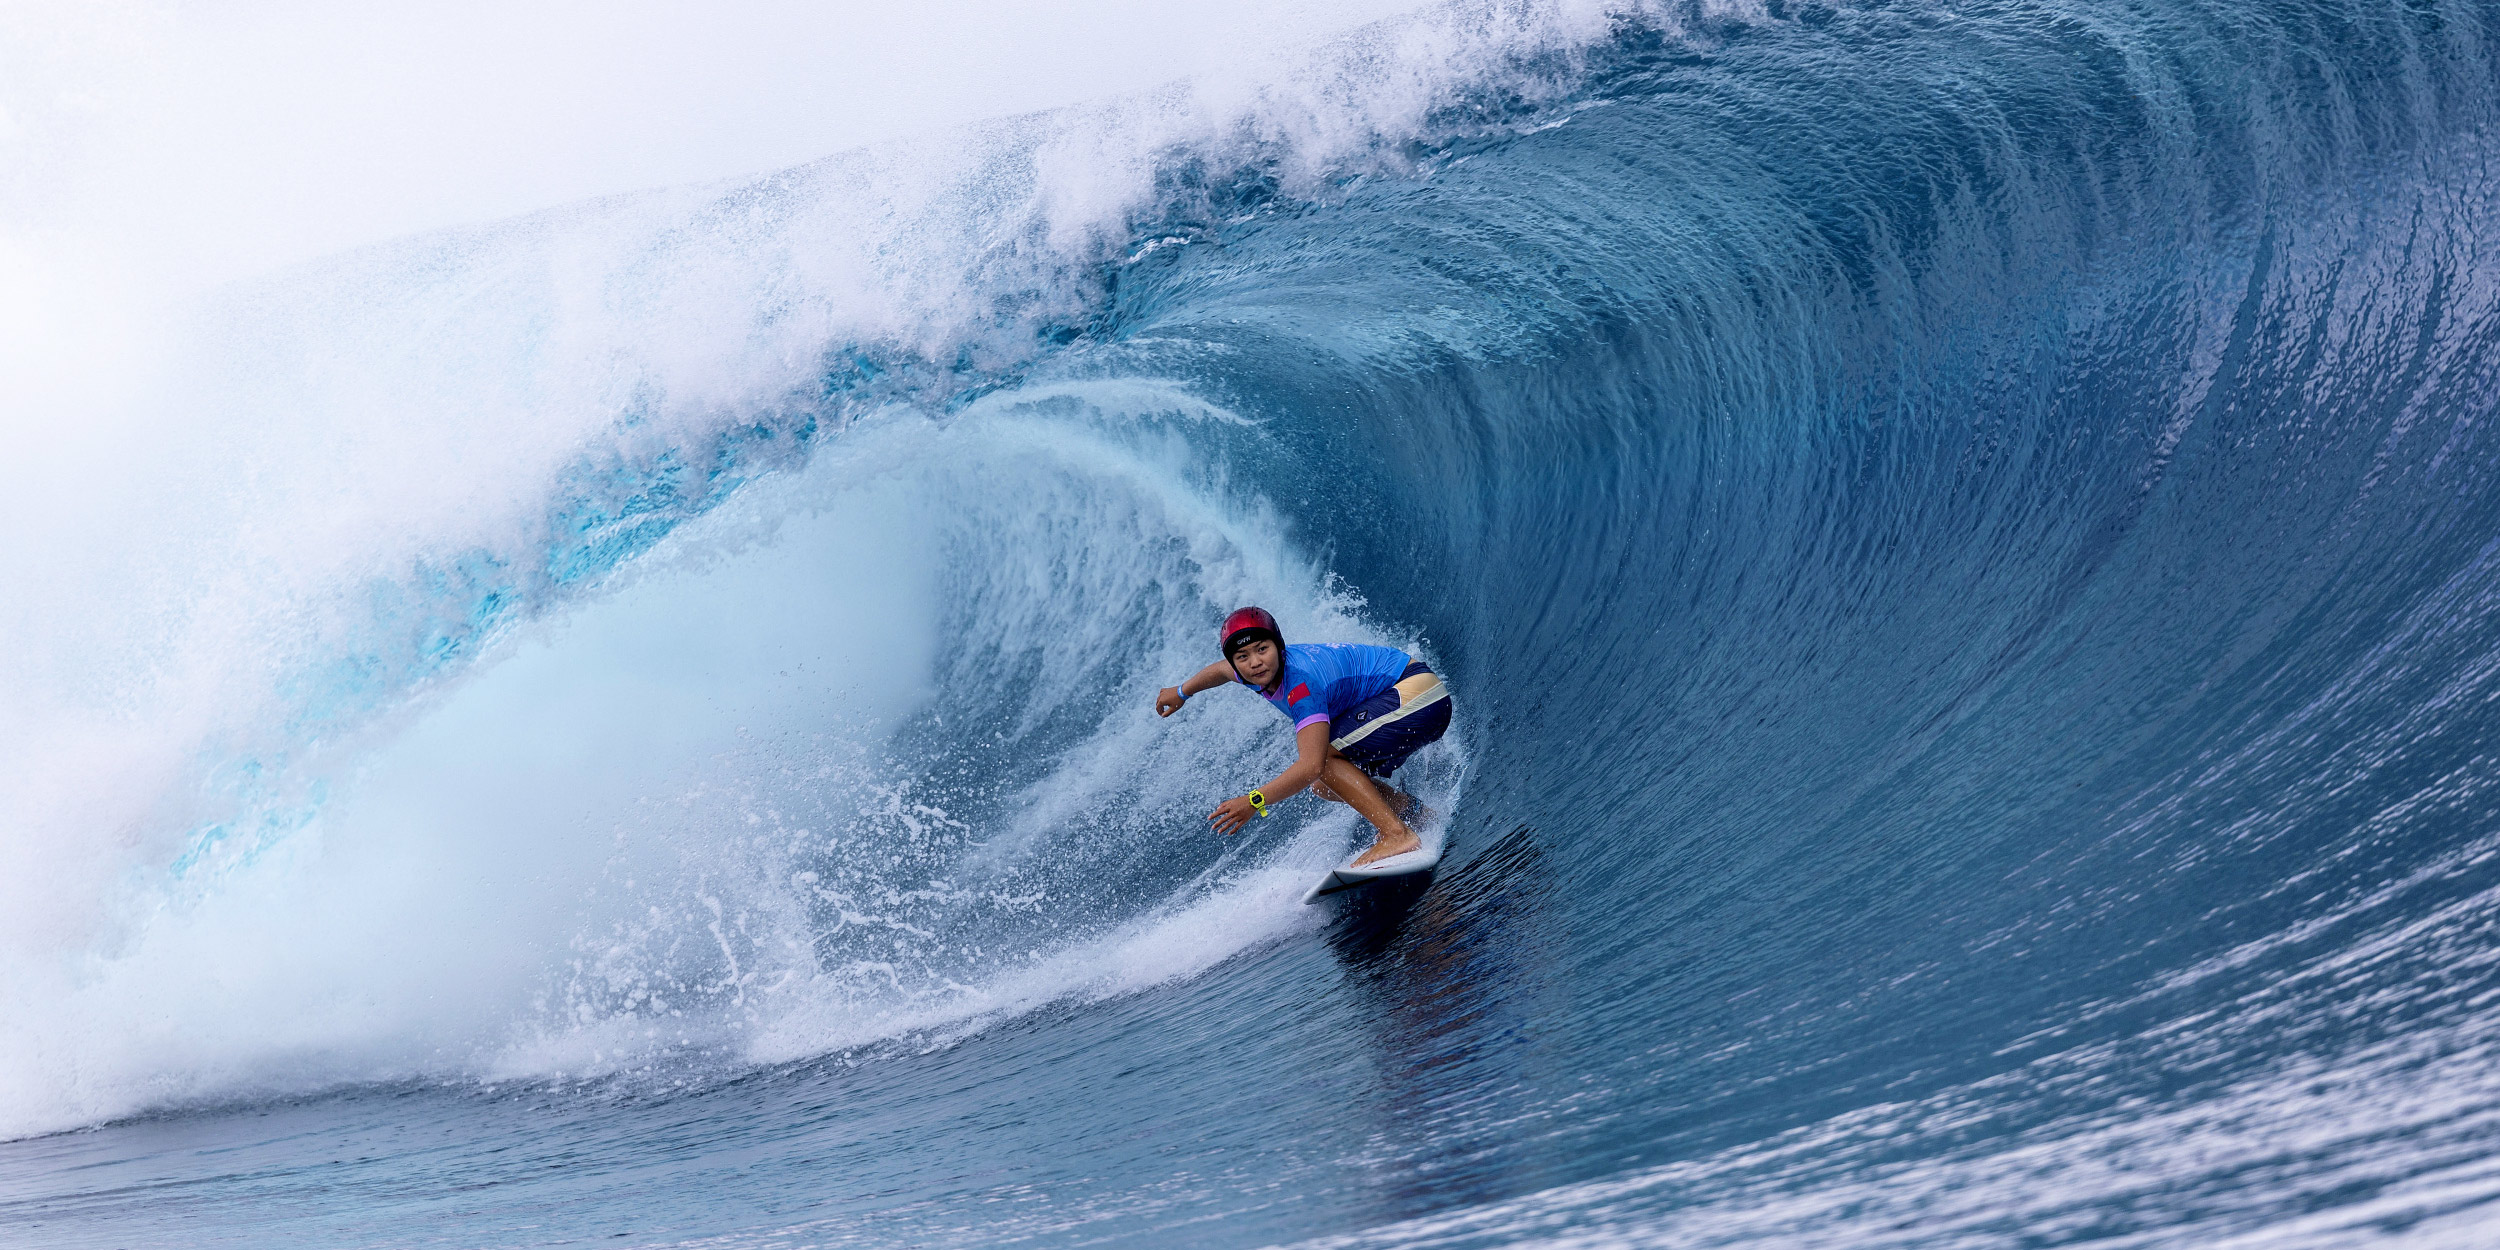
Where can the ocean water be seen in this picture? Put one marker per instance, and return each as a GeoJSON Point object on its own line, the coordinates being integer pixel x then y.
{"type": "Point", "coordinates": [1964, 537]}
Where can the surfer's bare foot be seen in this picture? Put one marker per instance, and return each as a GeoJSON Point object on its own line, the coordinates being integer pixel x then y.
{"type": "Point", "coordinates": [1390, 843]}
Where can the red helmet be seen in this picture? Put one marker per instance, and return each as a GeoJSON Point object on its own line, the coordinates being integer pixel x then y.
{"type": "Point", "coordinates": [1246, 625]}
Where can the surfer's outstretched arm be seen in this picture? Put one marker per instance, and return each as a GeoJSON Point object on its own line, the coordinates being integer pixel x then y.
{"type": "Point", "coordinates": [1169, 699]}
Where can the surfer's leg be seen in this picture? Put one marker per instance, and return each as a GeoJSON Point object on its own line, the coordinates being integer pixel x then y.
{"type": "Point", "coordinates": [1399, 801]}
{"type": "Point", "coordinates": [1391, 726]}
{"type": "Point", "coordinates": [1404, 804]}
{"type": "Point", "coordinates": [1346, 783]}
{"type": "Point", "coordinates": [1407, 806]}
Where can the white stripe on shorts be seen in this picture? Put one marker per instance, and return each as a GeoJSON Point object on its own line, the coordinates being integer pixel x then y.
{"type": "Point", "coordinates": [1414, 695]}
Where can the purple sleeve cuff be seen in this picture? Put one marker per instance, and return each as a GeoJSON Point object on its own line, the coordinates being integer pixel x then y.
{"type": "Point", "coordinates": [1318, 718]}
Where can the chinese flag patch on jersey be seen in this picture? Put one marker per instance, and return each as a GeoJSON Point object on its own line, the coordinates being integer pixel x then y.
{"type": "Point", "coordinates": [1300, 693]}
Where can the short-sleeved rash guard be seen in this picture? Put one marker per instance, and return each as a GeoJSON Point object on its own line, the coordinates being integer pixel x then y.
{"type": "Point", "coordinates": [1324, 680]}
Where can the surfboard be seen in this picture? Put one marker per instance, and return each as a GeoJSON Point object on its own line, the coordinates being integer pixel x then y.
{"type": "Point", "coordinates": [1346, 876]}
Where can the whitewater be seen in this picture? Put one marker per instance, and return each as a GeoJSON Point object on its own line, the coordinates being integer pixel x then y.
{"type": "Point", "coordinates": [608, 698]}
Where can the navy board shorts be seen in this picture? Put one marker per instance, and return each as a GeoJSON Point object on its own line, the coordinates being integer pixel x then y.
{"type": "Point", "coordinates": [1381, 731]}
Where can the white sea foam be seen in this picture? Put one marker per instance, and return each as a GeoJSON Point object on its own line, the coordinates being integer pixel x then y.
{"type": "Point", "coordinates": [618, 837]}
{"type": "Point", "coordinates": [865, 908]}
{"type": "Point", "coordinates": [235, 856]}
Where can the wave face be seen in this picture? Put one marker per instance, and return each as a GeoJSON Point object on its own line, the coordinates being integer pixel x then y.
{"type": "Point", "coordinates": [1964, 540]}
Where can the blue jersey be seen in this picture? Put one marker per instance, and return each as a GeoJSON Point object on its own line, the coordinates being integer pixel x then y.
{"type": "Point", "coordinates": [1324, 680]}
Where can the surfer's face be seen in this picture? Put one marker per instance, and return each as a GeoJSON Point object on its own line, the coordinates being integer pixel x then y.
{"type": "Point", "coordinates": [1256, 661]}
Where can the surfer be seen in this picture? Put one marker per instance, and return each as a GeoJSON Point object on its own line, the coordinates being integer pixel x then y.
{"type": "Point", "coordinates": [1358, 712]}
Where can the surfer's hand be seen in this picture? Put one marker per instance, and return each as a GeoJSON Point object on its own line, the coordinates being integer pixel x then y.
{"type": "Point", "coordinates": [1169, 701]}
{"type": "Point", "coordinates": [1232, 815]}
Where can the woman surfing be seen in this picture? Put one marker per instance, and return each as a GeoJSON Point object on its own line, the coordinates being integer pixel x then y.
{"type": "Point", "coordinates": [1357, 712]}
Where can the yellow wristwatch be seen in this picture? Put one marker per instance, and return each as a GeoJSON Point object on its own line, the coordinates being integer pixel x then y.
{"type": "Point", "coordinates": [1258, 802]}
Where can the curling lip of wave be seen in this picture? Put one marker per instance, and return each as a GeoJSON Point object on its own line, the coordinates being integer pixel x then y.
{"type": "Point", "coordinates": [410, 451]}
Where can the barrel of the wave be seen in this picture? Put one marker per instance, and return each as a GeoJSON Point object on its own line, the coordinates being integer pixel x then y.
{"type": "Point", "coordinates": [1358, 712]}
